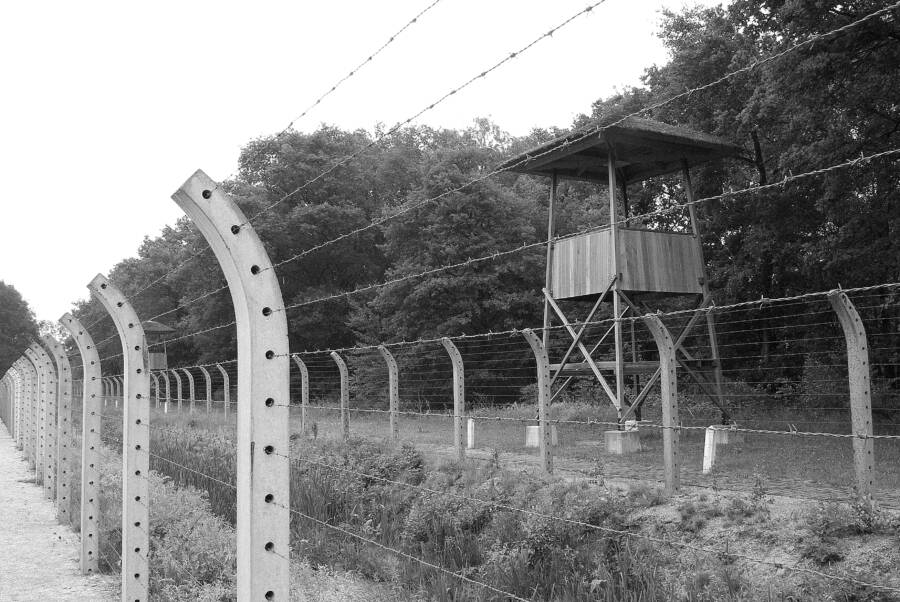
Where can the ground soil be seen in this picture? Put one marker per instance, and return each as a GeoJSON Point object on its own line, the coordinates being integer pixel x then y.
{"type": "Point", "coordinates": [38, 556]}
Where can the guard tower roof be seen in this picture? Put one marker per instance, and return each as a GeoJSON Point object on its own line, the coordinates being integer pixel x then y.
{"type": "Point", "coordinates": [643, 148]}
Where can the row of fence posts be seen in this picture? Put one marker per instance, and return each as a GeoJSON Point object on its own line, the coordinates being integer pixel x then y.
{"type": "Point", "coordinates": [112, 387]}
{"type": "Point", "coordinates": [36, 394]}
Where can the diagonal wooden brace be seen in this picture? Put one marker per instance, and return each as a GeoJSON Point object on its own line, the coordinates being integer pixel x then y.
{"type": "Point", "coordinates": [587, 355]}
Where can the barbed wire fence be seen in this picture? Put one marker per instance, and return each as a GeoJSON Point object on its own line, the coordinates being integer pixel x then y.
{"type": "Point", "coordinates": [787, 395]}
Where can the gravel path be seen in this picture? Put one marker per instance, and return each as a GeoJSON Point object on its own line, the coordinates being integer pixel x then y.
{"type": "Point", "coordinates": [38, 556]}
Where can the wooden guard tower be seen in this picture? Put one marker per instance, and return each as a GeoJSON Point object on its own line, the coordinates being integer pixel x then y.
{"type": "Point", "coordinates": [631, 267]}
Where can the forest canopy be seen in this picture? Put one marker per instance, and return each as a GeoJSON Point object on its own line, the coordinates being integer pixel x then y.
{"type": "Point", "coordinates": [17, 325]}
{"type": "Point", "coordinates": [821, 105]}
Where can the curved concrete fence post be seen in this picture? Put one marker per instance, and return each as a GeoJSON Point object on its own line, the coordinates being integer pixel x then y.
{"type": "Point", "coordinates": [542, 362]}
{"type": "Point", "coordinates": [668, 384]}
{"type": "Point", "coordinates": [65, 441]}
{"type": "Point", "coordinates": [263, 416]}
{"type": "Point", "coordinates": [226, 388]}
{"type": "Point", "coordinates": [178, 390]}
{"type": "Point", "coordinates": [91, 424]}
{"type": "Point", "coordinates": [304, 391]}
{"type": "Point", "coordinates": [459, 396]}
{"type": "Point", "coordinates": [46, 384]}
{"type": "Point", "coordinates": [119, 383]}
{"type": "Point", "coordinates": [207, 380]}
{"type": "Point", "coordinates": [165, 376]}
{"type": "Point", "coordinates": [345, 394]}
{"type": "Point", "coordinates": [393, 392]}
{"type": "Point", "coordinates": [192, 390]}
{"type": "Point", "coordinates": [860, 390]}
{"type": "Point", "coordinates": [135, 441]}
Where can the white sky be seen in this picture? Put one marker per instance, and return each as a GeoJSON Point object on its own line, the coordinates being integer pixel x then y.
{"type": "Point", "coordinates": [107, 107]}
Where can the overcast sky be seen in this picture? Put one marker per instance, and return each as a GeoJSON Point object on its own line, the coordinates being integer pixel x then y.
{"type": "Point", "coordinates": [107, 107]}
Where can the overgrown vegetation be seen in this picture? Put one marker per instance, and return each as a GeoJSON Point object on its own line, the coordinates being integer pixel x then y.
{"type": "Point", "coordinates": [573, 541]}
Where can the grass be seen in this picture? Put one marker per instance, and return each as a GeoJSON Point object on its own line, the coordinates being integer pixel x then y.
{"type": "Point", "coordinates": [528, 554]}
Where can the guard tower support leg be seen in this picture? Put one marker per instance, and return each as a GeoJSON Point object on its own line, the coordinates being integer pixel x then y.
{"type": "Point", "coordinates": [91, 408]}
{"type": "Point", "coordinates": [263, 506]}
{"type": "Point", "coordinates": [710, 316]}
{"type": "Point", "coordinates": [393, 392]}
{"type": "Point", "coordinates": [548, 274]}
{"type": "Point", "coordinates": [860, 390]}
{"type": "Point", "coordinates": [459, 397]}
{"type": "Point", "coordinates": [614, 256]}
{"type": "Point", "coordinates": [135, 441]}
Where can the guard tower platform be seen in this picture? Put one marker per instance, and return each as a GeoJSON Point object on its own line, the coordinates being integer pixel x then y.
{"type": "Point", "coordinates": [623, 263]}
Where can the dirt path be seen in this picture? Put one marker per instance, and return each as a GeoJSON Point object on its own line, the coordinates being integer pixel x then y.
{"type": "Point", "coordinates": [38, 556]}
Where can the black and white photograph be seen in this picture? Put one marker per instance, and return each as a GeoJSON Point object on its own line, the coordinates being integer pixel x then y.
{"type": "Point", "coordinates": [450, 301]}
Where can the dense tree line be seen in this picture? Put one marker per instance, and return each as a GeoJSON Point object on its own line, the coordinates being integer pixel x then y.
{"type": "Point", "coordinates": [821, 105]}
{"type": "Point", "coordinates": [17, 326]}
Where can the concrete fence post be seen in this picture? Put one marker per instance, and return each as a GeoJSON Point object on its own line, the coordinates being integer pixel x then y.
{"type": "Point", "coordinates": [208, 381]}
{"type": "Point", "coordinates": [155, 377]}
{"type": "Point", "coordinates": [668, 400]}
{"type": "Point", "coordinates": [860, 390]}
{"type": "Point", "coordinates": [91, 424]}
{"type": "Point", "coordinates": [192, 390]}
{"type": "Point", "coordinates": [64, 440]}
{"type": "Point", "coordinates": [459, 397]}
{"type": "Point", "coordinates": [37, 433]}
{"type": "Point", "coordinates": [45, 454]}
{"type": "Point", "coordinates": [29, 443]}
{"type": "Point", "coordinates": [164, 374]}
{"type": "Point", "coordinates": [304, 391]}
{"type": "Point", "coordinates": [226, 388]}
{"type": "Point", "coordinates": [20, 406]}
{"type": "Point", "coordinates": [135, 441]}
{"type": "Point", "coordinates": [542, 361]}
{"type": "Point", "coordinates": [29, 376]}
{"type": "Point", "coordinates": [263, 421]}
{"type": "Point", "coordinates": [178, 390]}
{"type": "Point", "coordinates": [393, 391]}
{"type": "Point", "coordinates": [345, 394]}
{"type": "Point", "coordinates": [120, 388]}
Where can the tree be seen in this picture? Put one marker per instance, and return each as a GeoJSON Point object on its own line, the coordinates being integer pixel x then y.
{"type": "Point", "coordinates": [17, 326]}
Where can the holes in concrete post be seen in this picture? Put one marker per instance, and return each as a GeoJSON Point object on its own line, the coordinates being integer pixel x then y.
{"type": "Point", "coordinates": [267, 311]}
{"type": "Point", "coordinates": [269, 498]}
{"type": "Point", "coordinates": [254, 269]}
{"type": "Point", "coordinates": [270, 595]}
{"type": "Point", "coordinates": [103, 286]}
{"type": "Point", "coordinates": [206, 194]}
{"type": "Point", "coordinates": [120, 304]}
{"type": "Point", "coordinates": [270, 354]}
{"type": "Point", "coordinates": [270, 402]}
{"type": "Point", "coordinates": [270, 546]}
{"type": "Point", "coordinates": [269, 449]}
{"type": "Point", "coordinates": [235, 229]}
